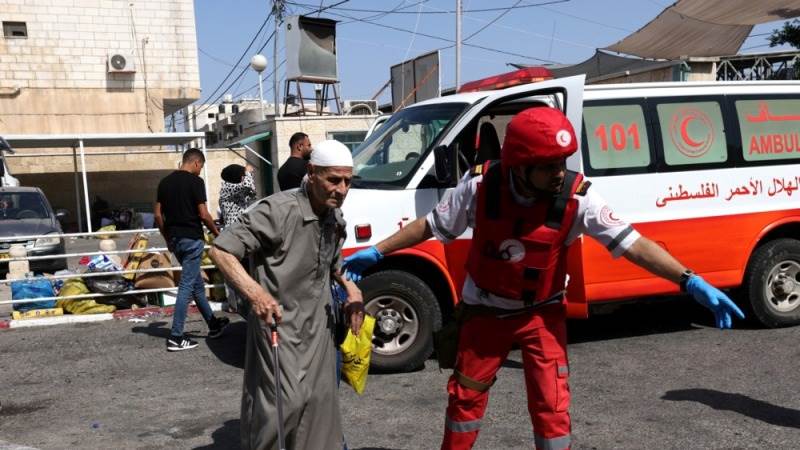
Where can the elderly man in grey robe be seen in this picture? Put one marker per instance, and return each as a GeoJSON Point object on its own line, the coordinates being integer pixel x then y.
{"type": "Point", "coordinates": [296, 237]}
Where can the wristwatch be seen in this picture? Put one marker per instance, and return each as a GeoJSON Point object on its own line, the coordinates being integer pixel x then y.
{"type": "Point", "coordinates": [688, 273]}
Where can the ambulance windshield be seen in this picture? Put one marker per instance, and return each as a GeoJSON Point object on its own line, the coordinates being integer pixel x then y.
{"type": "Point", "coordinates": [393, 151]}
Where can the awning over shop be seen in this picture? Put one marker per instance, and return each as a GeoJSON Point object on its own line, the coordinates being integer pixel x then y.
{"type": "Point", "coordinates": [703, 27]}
{"type": "Point", "coordinates": [245, 143]}
{"type": "Point", "coordinates": [250, 139]}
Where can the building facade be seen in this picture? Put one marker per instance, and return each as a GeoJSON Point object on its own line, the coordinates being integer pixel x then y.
{"type": "Point", "coordinates": [95, 66]}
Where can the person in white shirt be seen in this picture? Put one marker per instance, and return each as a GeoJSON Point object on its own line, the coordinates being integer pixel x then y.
{"type": "Point", "coordinates": [524, 211]}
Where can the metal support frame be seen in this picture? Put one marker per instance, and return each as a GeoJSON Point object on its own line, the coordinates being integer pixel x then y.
{"type": "Point", "coordinates": [320, 101]}
{"type": "Point", "coordinates": [756, 67]}
{"type": "Point", "coordinates": [85, 187]}
{"type": "Point", "coordinates": [78, 213]}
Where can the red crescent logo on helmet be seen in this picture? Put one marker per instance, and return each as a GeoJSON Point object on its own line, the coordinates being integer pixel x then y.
{"type": "Point", "coordinates": [563, 138]}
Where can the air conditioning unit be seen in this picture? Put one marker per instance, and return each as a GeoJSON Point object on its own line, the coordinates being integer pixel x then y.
{"type": "Point", "coordinates": [360, 107]}
{"type": "Point", "coordinates": [120, 63]}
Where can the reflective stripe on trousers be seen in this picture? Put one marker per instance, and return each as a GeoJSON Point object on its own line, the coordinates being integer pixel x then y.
{"type": "Point", "coordinates": [462, 427]}
{"type": "Point", "coordinates": [557, 443]}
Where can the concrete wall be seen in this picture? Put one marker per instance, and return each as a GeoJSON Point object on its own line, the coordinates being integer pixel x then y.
{"type": "Point", "coordinates": [57, 81]}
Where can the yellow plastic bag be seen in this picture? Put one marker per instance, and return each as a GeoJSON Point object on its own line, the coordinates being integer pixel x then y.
{"type": "Point", "coordinates": [106, 228]}
{"type": "Point", "coordinates": [76, 286]}
{"type": "Point", "coordinates": [356, 351]}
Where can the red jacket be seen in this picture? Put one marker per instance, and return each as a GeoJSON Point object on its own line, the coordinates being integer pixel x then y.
{"type": "Point", "coordinates": [518, 252]}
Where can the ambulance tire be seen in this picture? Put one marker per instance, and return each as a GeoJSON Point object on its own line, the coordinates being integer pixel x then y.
{"type": "Point", "coordinates": [774, 303]}
{"type": "Point", "coordinates": [406, 314]}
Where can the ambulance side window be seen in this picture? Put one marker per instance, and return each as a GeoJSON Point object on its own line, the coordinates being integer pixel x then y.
{"type": "Point", "coordinates": [616, 139]}
{"type": "Point", "coordinates": [692, 132]}
{"type": "Point", "coordinates": [769, 128]}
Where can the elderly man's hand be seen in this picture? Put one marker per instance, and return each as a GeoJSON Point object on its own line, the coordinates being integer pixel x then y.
{"type": "Point", "coordinates": [266, 308]}
{"type": "Point", "coordinates": [354, 311]}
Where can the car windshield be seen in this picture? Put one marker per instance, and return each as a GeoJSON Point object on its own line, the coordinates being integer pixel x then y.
{"type": "Point", "coordinates": [22, 205]}
{"type": "Point", "coordinates": [395, 149]}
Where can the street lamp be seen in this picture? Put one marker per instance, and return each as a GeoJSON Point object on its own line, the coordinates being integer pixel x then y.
{"type": "Point", "coordinates": [259, 63]}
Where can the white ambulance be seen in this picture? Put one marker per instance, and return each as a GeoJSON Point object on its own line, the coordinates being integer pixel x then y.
{"type": "Point", "coordinates": [706, 169]}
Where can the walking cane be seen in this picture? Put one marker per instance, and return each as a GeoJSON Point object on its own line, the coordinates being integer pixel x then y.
{"type": "Point", "coordinates": [278, 402]}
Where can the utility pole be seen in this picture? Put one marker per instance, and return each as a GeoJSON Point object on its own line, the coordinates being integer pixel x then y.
{"type": "Point", "coordinates": [277, 8]}
{"type": "Point", "coordinates": [458, 44]}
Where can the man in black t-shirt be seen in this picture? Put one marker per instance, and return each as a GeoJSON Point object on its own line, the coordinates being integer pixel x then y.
{"type": "Point", "coordinates": [180, 213]}
{"type": "Point", "coordinates": [292, 171]}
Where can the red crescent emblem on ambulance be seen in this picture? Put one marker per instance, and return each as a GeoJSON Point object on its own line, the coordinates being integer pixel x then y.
{"type": "Point", "coordinates": [692, 132]}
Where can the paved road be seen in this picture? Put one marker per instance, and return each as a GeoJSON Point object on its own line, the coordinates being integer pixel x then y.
{"type": "Point", "coordinates": [649, 376]}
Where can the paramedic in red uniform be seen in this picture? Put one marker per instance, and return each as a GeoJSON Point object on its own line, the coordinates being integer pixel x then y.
{"type": "Point", "coordinates": [525, 210]}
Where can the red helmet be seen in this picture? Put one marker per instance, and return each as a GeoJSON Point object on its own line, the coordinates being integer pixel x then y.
{"type": "Point", "coordinates": [538, 135]}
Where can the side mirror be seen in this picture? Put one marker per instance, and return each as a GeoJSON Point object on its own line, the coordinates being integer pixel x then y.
{"type": "Point", "coordinates": [62, 214]}
{"type": "Point", "coordinates": [445, 164]}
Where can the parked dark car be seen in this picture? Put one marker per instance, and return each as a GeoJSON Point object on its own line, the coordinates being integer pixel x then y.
{"type": "Point", "coordinates": [25, 211]}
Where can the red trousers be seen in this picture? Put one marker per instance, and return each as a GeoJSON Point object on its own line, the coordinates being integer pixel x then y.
{"type": "Point", "coordinates": [484, 343]}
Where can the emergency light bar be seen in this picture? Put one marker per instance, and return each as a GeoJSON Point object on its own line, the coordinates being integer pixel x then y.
{"type": "Point", "coordinates": [504, 80]}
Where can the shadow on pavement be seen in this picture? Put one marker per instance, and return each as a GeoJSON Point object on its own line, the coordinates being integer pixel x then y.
{"type": "Point", "coordinates": [739, 403]}
{"type": "Point", "coordinates": [225, 438]}
{"type": "Point", "coordinates": [158, 329]}
{"type": "Point", "coordinates": [230, 347]}
{"type": "Point", "coordinates": [642, 318]}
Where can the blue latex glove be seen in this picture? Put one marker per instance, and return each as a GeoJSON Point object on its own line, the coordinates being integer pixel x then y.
{"type": "Point", "coordinates": [713, 299]}
{"type": "Point", "coordinates": [355, 264]}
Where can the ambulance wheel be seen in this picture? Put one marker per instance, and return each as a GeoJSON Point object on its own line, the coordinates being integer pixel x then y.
{"type": "Point", "coordinates": [772, 283]}
{"type": "Point", "coordinates": [406, 314]}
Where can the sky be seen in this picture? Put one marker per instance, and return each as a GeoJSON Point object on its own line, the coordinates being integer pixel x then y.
{"type": "Point", "coordinates": [559, 32]}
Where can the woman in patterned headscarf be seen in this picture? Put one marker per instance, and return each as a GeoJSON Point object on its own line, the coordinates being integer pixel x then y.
{"type": "Point", "coordinates": [237, 193]}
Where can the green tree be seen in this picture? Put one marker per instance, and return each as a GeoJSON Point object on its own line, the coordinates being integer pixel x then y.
{"type": "Point", "coordinates": [789, 34]}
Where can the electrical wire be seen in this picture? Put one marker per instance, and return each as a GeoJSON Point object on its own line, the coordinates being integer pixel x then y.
{"type": "Point", "coordinates": [440, 38]}
{"type": "Point", "coordinates": [385, 12]}
{"type": "Point", "coordinates": [530, 33]}
{"type": "Point", "coordinates": [244, 53]}
{"type": "Point", "coordinates": [214, 58]}
{"type": "Point", "coordinates": [499, 16]}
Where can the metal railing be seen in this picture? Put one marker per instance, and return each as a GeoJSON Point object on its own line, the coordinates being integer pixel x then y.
{"type": "Point", "coordinates": [92, 274]}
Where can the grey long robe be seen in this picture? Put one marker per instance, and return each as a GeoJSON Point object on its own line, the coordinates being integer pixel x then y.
{"type": "Point", "coordinates": [295, 253]}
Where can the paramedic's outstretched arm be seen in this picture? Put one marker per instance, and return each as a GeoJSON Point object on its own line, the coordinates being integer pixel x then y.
{"type": "Point", "coordinates": [598, 220]}
{"type": "Point", "coordinates": [409, 236]}
{"type": "Point", "coordinates": [264, 305]}
{"type": "Point", "coordinates": [651, 257]}
{"type": "Point", "coordinates": [446, 222]}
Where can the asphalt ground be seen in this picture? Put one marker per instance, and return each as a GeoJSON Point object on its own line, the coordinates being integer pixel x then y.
{"type": "Point", "coordinates": [649, 376]}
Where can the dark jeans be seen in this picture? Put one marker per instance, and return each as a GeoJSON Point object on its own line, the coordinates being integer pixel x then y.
{"type": "Point", "coordinates": [189, 252]}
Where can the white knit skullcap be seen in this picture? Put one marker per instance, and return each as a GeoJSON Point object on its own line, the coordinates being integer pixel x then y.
{"type": "Point", "coordinates": [331, 153]}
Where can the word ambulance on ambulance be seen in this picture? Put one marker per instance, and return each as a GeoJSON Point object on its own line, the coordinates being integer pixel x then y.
{"type": "Point", "coordinates": [708, 170]}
